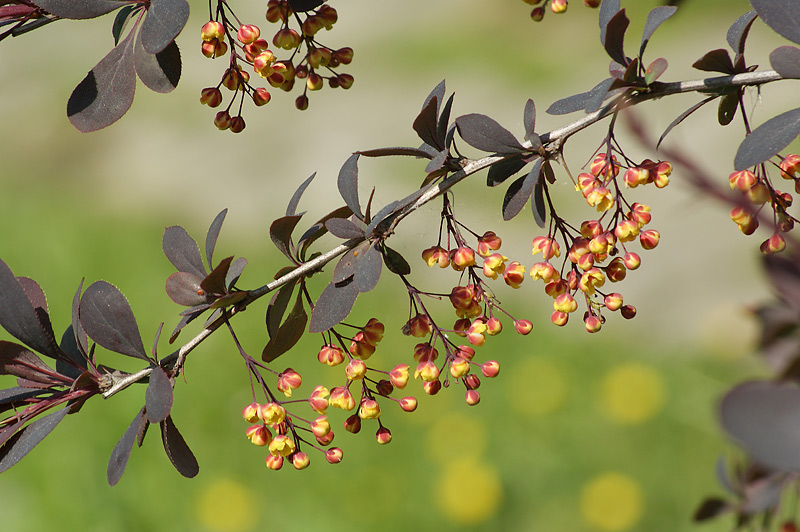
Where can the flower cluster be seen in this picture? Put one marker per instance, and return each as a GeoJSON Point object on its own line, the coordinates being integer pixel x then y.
{"type": "Point", "coordinates": [556, 6]}
{"type": "Point", "coordinates": [248, 48]}
{"type": "Point", "coordinates": [758, 190]}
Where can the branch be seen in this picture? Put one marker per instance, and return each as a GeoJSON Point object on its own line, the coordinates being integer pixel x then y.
{"type": "Point", "coordinates": [554, 139]}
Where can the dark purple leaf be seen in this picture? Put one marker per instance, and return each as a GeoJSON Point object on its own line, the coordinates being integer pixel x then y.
{"type": "Point", "coordinates": [164, 21]}
{"type": "Point", "coordinates": [437, 163]}
{"type": "Point", "coordinates": [122, 450]}
{"type": "Point", "coordinates": [715, 61]}
{"type": "Point", "coordinates": [737, 33]}
{"type": "Point", "coordinates": [368, 269]}
{"type": "Point", "coordinates": [444, 119]}
{"type": "Point", "coordinates": [27, 438]}
{"type": "Point", "coordinates": [226, 301]}
{"type": "Point", "coordinates": [15, 397]}
{"type": "Point", "coordinates": [346, 267]}
{"type": "Point", "coordinates": [280, 231]}
{"type": "Point", "coordinates": [395, 262]}
{"type": "Point", "coordinates": [727, 108]}
{"type": "Point", "coordinates": [382, 214]}
{"type": "Point", "coordinates": [767, 140]}
{"type": "Point", "coordinates": [570, 104]}
{"type": "Point", "coordinates": [529, 118]}
{"type": "Point", "coordinates": [161, 71]}
{"type": "Point", "coordinates": [36, 296]}
{"type": "Point", "coordinates": [654, 70]}
{"type": "Point", "coordinates": [79, 9]}
{"type": "Point", "coordinates": [178, 452]}
{"type": "Point", "coordinates": [332, 306]}
{"type": "Point", "coordinates": [504, 169]}
{"type": "Point", "coordinates": [438, 93]}
{"type": "Point", "coordinates": [549, 175]}
{"type": "Point", "coordinates": [656, 17]}
{"type": "Point", "coordinates": [520, 191]}
{"type": "Point", "coordinates": [74, 362]}
{"type": "Point", "coordinates": [785, 60]}
{"type": "Point", "coordinates": [184, 289]}
{"type": "Point", "coordinates": [783, 16]}
{"type": "Point", "coordinates": [158, 397]}
{"type": "Point", "coordinates": [344, 228]}
{"type": "Point", "coordinates": [301, 6]}
{"type": "Point", "coordinates": [762, 493]}
{"type": "Point", "coordinates": [214, 283]}
{"type": "Point", "coordinates": [682, 117]}
{"type": "Point", "coordinates": [318, 229]}
{"type": "Point", "coordinates": [426, 124]}
{"type": "Point", "coordinates": [277, 308]}
{"type": "Point", "coordinates": [288, 334]}
{"type": "Point", "coordinates": [108, 320]}
{"type": "Point", "coordinates": [106, 93]}
{"type": "Point", "coordinates": [764, 417]}
{"type": "Point", "coordinates": [80, 335]}
{"type": "Point", "coordinates": [291, 208]}
{"type": "Point", "coordinates": [121, 20]}
{"type": "Point", "coordinates": [20, 362]}
{"type": "Point", "coordinates": [235, 271]}
{"type": "Point", "coordinates": [213, 234]}
{"type": "Point", "coordinates": [182, 251]}
{"type": "Point", "coordinates": [598, 95]}
{"type": "Point", "coordinates": [615, 37]}
{"type": "Point", "coordinates": [538, 204]}
{"type": "Point", "coordinates": [710, 508]}
{"type": "Point", "coordinates": [608, 8]}
{"type": "Point", "coordinates": [20, 318]}
{"type": "Point", "coordinates": [348, 184]}
{"type": "Point", "coordinates": [383, 152]}
{"type": "Point", "coordinates": [483, 133]}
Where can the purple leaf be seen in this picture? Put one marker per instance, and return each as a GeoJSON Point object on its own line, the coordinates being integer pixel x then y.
{"type": "Point", "coordinates": [161, 71]}
{"type": "Point", "coordinates": [164, 21]}
{"type": "Point", "coordinates": [784, 274]}
{"type": "Point", "coordinates": [291, 208]}
{"type": "Point", "coordinates": [280, 231]}
{"type": "Point", "coordinates": [235, 271]}
{"type": "Point", "coordinates": [288, 334]}
{"type": "Point", "coordinates": [78, 10]}
{"type": "Point", "coordinates": [182, 251]}
{"type": "Point", "coordinates": [727, 108]}
{"type": "Point", "coordinates": [80, 335]}
{"type": "Point", "coordinates": [529, 118]}
{"type": "Point", "coordinates": [504, 169]}
{"type": "Point", "coordinates": [656, 17]}
{"type": "Point", "coordinates": [764, 417]}
{"type": "Point", "coordinates": [483, 133]}
{"type": "Point", "coordinates": [332, 306]}
{"type": "Point", "coordinates": [178, 452]}
{"type": "Point", "coordinates": [368, 269]}
{"type": "Point", "coordinates": [21, 443]}
{"type": "Point", "coordinates": [348, 184]}
{"type": "Point", "coordinates": [19, 361]}
{"type": "Point", "coordinates": [615, 37]}
{"type": "Point", "coordinates": [383, 152]}
{"type": "Point", "coordinates": [318, 229]}
{"type": "Point", "coordinates": [538, 204]}
{"type": "Point", "coordinates": [767, 140]}
{"type": "Point", "coordinates": [122, 450]}
{"type": "Point", "coordinates": [598, 95]}
{"type": "Point", "coordinates": [783, 16]}
{"type": "Point", "coordinates": [437, 163]}
{"type": "Point", "coordinates": [106, 93]}
{"type": "Point", "coordinates": [520, 191]}
{"type": "Point", "coordinates": [710, 508]}
{"type": "Point", "coordinates": [15, 397]}
{"type": "Point", "coordinates": [570, 104]}
{"type": "Point", "coordinates": [785, 60]}
{"type": "Point", "coordinates": [36, 296]}
{"type": "Point", "coordinates": [277, 308]}
{"type": "Point", "coordinates": [395, 262]}
{"type": "Point", "coordinates": [301, 6]}
{"type": "Point", "coordinates": [346, 267]}
{"type": "Point", "coordinates": [737, 33]}
{"type": "Point", "coordinates": [158, 397]}
{"type": "Point", "coordinates": [344, 228]}
{"type": "Point", "coordinates": [682, 117]}
{"type": "Point", "coordinates": [20, 318]}
{"type": "Point", "coordinates": [183, 288]}
{"type": "Point", "coordinates": [762, 493]}
{"type": "Point", "coordinates": [715, 61]}
{"type": "Point", "coordinates": [608, 8]}
{"type": "Point", "coordinates": [426, 124]}
{"type": "Point", "coordinates": [444, 119]}
{"type": "Point", "coordinates": [213, 234]}
{"type": "Point", "coordinates": [108, 320]}
{"type": "Point", "coordinates": [382, 214]}
{"type": "Point", "coordinates": [214, 283]}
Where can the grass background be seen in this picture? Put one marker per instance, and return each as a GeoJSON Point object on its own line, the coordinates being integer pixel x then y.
{"type": "Point", "coordinates": [614, 431]}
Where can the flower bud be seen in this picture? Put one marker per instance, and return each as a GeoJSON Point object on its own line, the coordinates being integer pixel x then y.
{"type": "Point", "coordinates": [330, 355]}
{"type": "Point", "coordinates": [436, 255]}
{"type": "Point", "coordinates": [432, 387]}
{"type": "Point", "coordinates": [356, 369]}
{"type": "Point", "coordinates": [774, 244]}
{"type": "Point", "coordinates": [488, 243]}
{"type": "Point", "coordinates": [248, 33]}
{"type": "Point", "coordinates": [613, 301]}
{"type": "Point", "coordinates": [289, 380]}
{"type": "Point", "coordinates": [325, 440]}
{"type": "Point", "coordinates": [558, 6]}
{"type": "Point", "coordinates": [537, 14]}
{"type": "Point", "coordinates": [301, 102]}
{"type": "Point", "coordinates": [345, 81]}
{"type": "Point", "coordinates": [635, 176]}
{"type": "Point", "coordinates": [274, 462]}
{"type": "Point", "coordinates": [790, 166]}
{"type": "Point", "coordinates": [373, 331]}
{"type": "Point", "coordinates": [212, 30]}
{"type": "Point", "coordinates": [565, 303]}
{"type": "Point", "coordinates": [360, 347]}
{"type": "Point", "coordinates": [281, 445]}
{"type": "Point", "coordinates": [628, 312]}
{"type": "Point", "coordinates": [250, 412]}
{"type": "Point", "coordinates": [494, 326]}
{"type": "Point", "coordinates": [369, 409]}
{"type": "Point", "coordinates": [601, 168]}
{"type": "Point", "coordinates": [342, 398]}
{"type": "Point", "coordinates": [459, 367]}
{"type": "Point", "coordinates": [523, 327]}
{"type": "Point", "coordinates": [544, 271]}
{"type": "Point", "coordinates": [211, 96]}
{"type": "Point", "coordinates": [472, 397]}
{"type": "Point", "coordinates": [742, 180]}
{"type": "Point", "coordinates": [463, 258]}
{"type": "Point", "coordinates": [494, 265]}
{"type": "Point", "coordinates": [427, 371]}
{"type": "Point", "coordinates": [314, 82]}
{"type": "Point", "coordinates": [312, 25]}
{"type": "Point", "coordinates": [631, 260]}
{"type": "Point", "coordinates": [592, 323]}
{"type": "Point", "coordinates": [399, 376]}
{"type": "Point", "coordinates": [333, 455]}
{"type": "Point", "coordinates": [490, 368]}
{"type": "Point", "coordinates": [261, 96]}
{"type": "Point", "coordinates": [547, 246]}
{"type": "Point", "coordinates": [472, 381]}
{"type": "Point", "coordinates": [353, 424]}
{"type": "Point", "coordinates": [320, 427]}
{"type": "Point", "coordinates": [649, 238]}
{"type": "Point", "coordinates": [287, 39]}
{"type": "Point", "coordinates": [419, 326]}
{"type": "Point", "coordinates": [559, 318]}
{"type": "Point", "coordinates": [384, 387]}
{"type": "Point", "coordinates": [383, 436]}
{"type": "Point", "coordinates": [514, 274]}
{"type": "Point", "coordinates": [616, 270]}
{"type": "Point", "coordinates": [661, 174]}
{"type": "Point", "coordinates": [300, 460]}
{"type": "Point", "coordinates": [272, 413]}
{"type": "Point", "coordinates": [344, 55]}
{"type": "Point", "coordinates": [319, 399]}
{"type": "Point", "coordinates": [222, 120]}
{"type": "Point", "coordinates": [408, 404]}
{"type": "Point", "coordinates": [258, 435]}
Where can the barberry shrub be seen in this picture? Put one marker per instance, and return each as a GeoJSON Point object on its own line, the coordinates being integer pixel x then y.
{"type": "Point", "coordinates": [580, 261]}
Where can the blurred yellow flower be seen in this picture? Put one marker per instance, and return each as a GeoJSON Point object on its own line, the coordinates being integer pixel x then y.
{"type": "Point", "coordinates": [468, 493]}
{"type": "Point", "coordinates": [631, 393]}
{"type": "Point", "coordinates": [611, 501]}
{"type": "Point", "coordinates": [224, 505]}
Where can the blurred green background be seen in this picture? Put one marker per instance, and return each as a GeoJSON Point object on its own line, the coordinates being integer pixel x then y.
{"type": "Point", "coordinates": [614, 431]}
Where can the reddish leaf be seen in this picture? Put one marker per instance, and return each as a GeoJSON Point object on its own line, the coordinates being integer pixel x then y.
{"type": "Point", "coordinates": [318, 229]}
{"type": "Point", "coordinates": [214, 283]}
{"type": "Point", "coordinates": [288, 334]}
{"type": "Point", "coordinates": [785, 60]}
{"type": "Point", "coordinates": [80, 335]}
{"type": "Point", "coordinates": [178, 452]}
{"type": "Point", "coordinates": [332, 306]}
{"type": "Point", "coordinates": [182, 251]}
{"type": "Point", "coordinates": [598, 95]}
{"type": "Point", "coordinates": [444, 120]}
{"type": "Point", "coordinates": [654, 70]}
{"type": "Point", "coordinates": [164, 21]}
{"type": "Point", "coordinates": [122, 450]}
{"type": "Point", "coordinates": [161, 71]}
{"type": "Point", "coordinates": [426, 123]}
{"type": "Point", "coordinates": [767, 140]}
{"type": "Point", "coordinates": [23, 441]}
{"type": "Point", "coordinates": [15, 397]}
{"type": "Point", "coordinates": [656, 17]}
{"type": "Point", "coordinates": [36, 296]}
{"type": "Point", "coordinates": [348, 184]}
{"type": "Point", "coordinates": [158, 397]}
{"type": "Point", "coordinates": [715, 61]}
{"type": "Point", "coordinates": [77, 10]}
{"type": "Point", "coordinates": [385, 212]}
{"type": "Point", "coordinates": [213, 234]}
{"type": "Point", "coordinates": [108, 320]}
{"type": "Point", "coordinates": [483, 133]}
{"type": "Point", "coordinates": [183, 288]}
{"type": "Point", "coordinates": [383, 152]}
{"type": "Point", "coordinates": [783, 16]}
{"type": "Point", "coordinates": [570, 104]}
{"type": "Point", "coordinates": [368, 269]}
{"type": "Point", "coordinates": [615, 37]}
{"type": "Point", "coordinates": [280, 231]}
{"type": "Point", "coordinates": [18, 361]}
{"type": "Point", "coordinates": [106, 93]}
{"type": "Point", "coordinates": [21, 319]}
{"type": "Point", "coordinates": [346, 267]}
{"type": "Point", "coordinates": [291, 208]}
{"type": "Point", "coordinates": [344, 228]}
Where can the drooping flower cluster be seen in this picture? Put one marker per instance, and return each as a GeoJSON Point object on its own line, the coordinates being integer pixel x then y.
{"type": "Point", "coordinates": [556, 6]}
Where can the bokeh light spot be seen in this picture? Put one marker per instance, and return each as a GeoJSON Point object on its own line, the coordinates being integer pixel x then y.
{"type": "Point", "coordinates": [456, 438]}
{"type": "Point", "coordinates": [468, 493]}
{"type": "Point", "coordinates": [631, 393]}
{"type": "Point", "coordinates": [536, 387]}
{"type": "Point", "coordinates": [224, 505]}
{"type": "Point", "coordinates": [611, 501]}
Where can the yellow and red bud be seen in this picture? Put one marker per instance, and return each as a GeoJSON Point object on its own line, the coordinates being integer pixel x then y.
{"type": "Point", "coordinates": [459, 367]}
{"type": "Point", "coordinates": [523, 327]}
{"type": "Point", "coordinates": [591, 279]}
{"type": "Point", "coordinates": [592, 323]}
{"type": "Point", "coordinates": [488, 243]}
{"type": "Point", "coordinates": [211, 96]}
{"type": "Point", "coordinates": [328, 15]}
{"type": "Point", "coordinates": [537, 14]}
{"type": "Point", "coordinates": [250, 412]}
{"type": "Point", "coordinates": [602, 244]}
{"type": "Point", "coordinates": [248, 33]}
{"type": "Point", "coordinates": [555, 288]}
{"type": "Point", "coordinates": [325, 440]}
{"type": "Point", "coordinates": [635, 176]}
{"type": "Point", "coordinates": [425, 351]}
{"type": "Point", "coordinates": [472, 381]}
{"type": "Point", "coordinates": [320, 427]}
{"type": "Point", "coordinates": [544, 271]}
{"type": "Point", "coordinates": [330, 355]}
{"type": "Point", "coordinates": [373, 331]}
{"type": "Point", "coordinates": [272, 413]}
{"type": "Point", "coordinates": [369, 409]}
{"type": "Point", "coordinates": [547, 246]}
{"type": "Point", "coordinates": [774, 244]}
{"type": "Point", "coordinates": [353, 424]}
{"type": "Point", "coordinates": [344, 55]}
{"type": "Point", "coordinates": [460, 326]}
{"type": "Point", "coordinates": [258, 435]}
{"type": "Point", "coordinates": [274, 462]}
{"type": "Point", "coordinates": [222, 120]}
{"type": "Point", "coordinates": [616, 270]}
{"type": "Point", "coordinates": [649, 238]}
{"type": "Point", "coordinates": [345, 81]}
{"type": "Point", "coordinates": [319, 57]}
{"type": "Point", "coordinates": [631, 260]}
{"type": "Point", "coordinates": [565, 303]}
{"type": "Point", "coordinates": [355, 370]}
{"type": "Point", "coordinates": [432, 387]}
{"type": "Point", "coordinates": [628, 312]}
{"type": "Point", "coordinates": [461, 297]}
{"type": "Point", "coordinates": [758, 194]}
{"type": "Point", "coordinates": [640, 213]}
{"type": "Point", "coordinates": [742, 180]}
{"type": "Point", "coordinates": [613, 301]}
{"type": "Point", "coordinates": [493, 326]}
{"type": "Point", "coordinates": [601, 168]}
{"type": "Point", "coordinates": [214, 48]}
{"type": "Point", "coordinates": [494, 265]}
{"type": "Point", "coordinates": [261, 96]}
{"type": "Point", "coordinates": [408, 404]}
{"type": "Point", "coordinates": [490, 369]}
{"type": "Point", "coordinates": [281, 445]}
{"type": "Point", "coordinates": [399, 376]}
{"type": "Point", "coordinates": [476, 334]}
{"type": "Point", "coordinates": [590, 229]}
{"type": "Point", "coordinates": [383, 436]}
{"type": "Point", "coordinates": [289, 380]}
{"type": "Point", "coordinates": [427, 371]}
{"type": "Point", "coordinates": [572, 280]}
{"type": "Point", "coordinates": [314, 82]}
{"type": "Point", "coordinates": [300, 460]}
{"type": "Point", "coordinates": [661, 173]}
{"type": "Point", "coordinates": [462, 258]}
{"type": "Point", "coordinates": [333, 455]}
{"type": "Point", "coordinates": [601, 198]}
{"type": "Point", "coordinates": [465, 352]}
{"type": "Point", "coordinates": [514, 274]}
{"type": "Point", "coordinates": [586, 261]}
{"type": "Point", "coordinates": [559, 318]}
{"type": "Point", "coordinates": [212, 30]}
{"type": "Point", "coordinates": [312, 25]}
{"type": "Point", "coordinates": [342, 398]}
{"type": "Point", "coordinates": [287, 39]}
{"type": "Point", "coordinates": [790, 166]}
{"type": "Point", "coordinates": [419, 326]}
{"type": "Point", "coordinates": [436, 255]}
{"type": "Point", "coordinates": [626, 230]}
{"type": "Point", "coordinates": [318, 400]}
{"type": "Point", "coordinates": [745, 220]}
{"type": "Point", "coordinates": [472, 397]}
{"type": "Point", "coordinates": [360, 348]}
